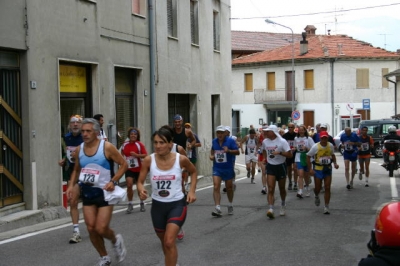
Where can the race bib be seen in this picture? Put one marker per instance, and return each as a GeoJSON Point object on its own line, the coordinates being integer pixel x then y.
{"type": "Point", "coordinates": [251, 150]}
{"type": "Point", "coordinates": [220, 156]}
{"type": "Point", "coordinates": [70, 153]}
{"type": "Point", "coordinates": [365, 146]}
{"type": "Point", "coordinates": [347, 146]}
{"type": "Point", "coordinates": [325, 160]}
{"type": "Point", "coordinates": [163, 184]}
{"type": "Point", "coordinates": [89, 176]}
{"type": "Point", "coordinates": [291, 143]}
{"type": "Point", "coordinates": [132, 162]}
{"type": "Point", "coordinates": [300, 147]}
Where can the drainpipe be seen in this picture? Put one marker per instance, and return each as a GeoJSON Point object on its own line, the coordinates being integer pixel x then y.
{"type": "Point", "coordinates": [332, 97]}
{"type": "Point", "coordinates": [152, 65]}
{"type": "Point", "coordinates": [395, 95]}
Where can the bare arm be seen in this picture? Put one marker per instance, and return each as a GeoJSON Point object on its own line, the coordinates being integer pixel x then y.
{"type": "Point", "coordinates": [112, 154]}
{"type": "Point", "coordinates": [186, 164]}
{"type": "Point", "coordinates": [142, 192]}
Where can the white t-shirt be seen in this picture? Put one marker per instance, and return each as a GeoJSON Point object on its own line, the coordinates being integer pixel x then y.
{"type": "Point", "coordinates": [278, 144]}
{"type": "Point", "coordinates": [300, 143]}
{"type": "Point", "coordinates": [102, 134]}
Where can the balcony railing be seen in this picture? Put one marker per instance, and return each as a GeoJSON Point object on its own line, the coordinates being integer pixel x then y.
{"type": "Point", "coordinates": [279, 95]}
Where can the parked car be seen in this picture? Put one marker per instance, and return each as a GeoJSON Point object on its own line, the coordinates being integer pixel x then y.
{"type": "Point", "coordinates": [378, 129]}
{"type": "Point", "coordinates": [338, 144]}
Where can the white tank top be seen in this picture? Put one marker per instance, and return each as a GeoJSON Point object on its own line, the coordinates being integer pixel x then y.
{"type": "Point", "coordinates": [166, 184]}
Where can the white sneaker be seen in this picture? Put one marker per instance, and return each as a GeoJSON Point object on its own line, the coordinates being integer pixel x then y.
{"type": "Point", "coordinates": [119, 248]}
{"type": "Point", "coordinates": [307, 191]}
{"type": "Point", "coordinates": [76, 238]}
{"type": "Point", "coordinates": [270, 214]}
{"type": "Point", "coordinates": [104, 261]}
{"type": "Point", "coordinates": [326, 210]}
{"type": "Point", "coordinates": [282, 212]}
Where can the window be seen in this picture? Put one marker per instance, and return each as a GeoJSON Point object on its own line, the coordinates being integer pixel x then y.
{"type": "Point", "coordinates": [385, 83]}
{"type": "Point", "coordinates": [139, 7]}
{"type": "Point", "coordinates": [125, 101]}
{"type": "Point", "coordinates": [194, 21]}
{"type": "Point", "coordinates": [216, 30]}
{"type": "Point", "coordinates": [271, 81]}
{"type": "Point", "coordinates": [362, 78]}
{"type": "Point", "coordinates": [309, 79]}
{"type": "Point", "coordinates": [248, 82]}
{"type": "Point", "coordinates": [172, 17]}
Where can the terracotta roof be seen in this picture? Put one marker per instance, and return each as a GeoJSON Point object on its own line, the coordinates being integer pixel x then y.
{"type": "Point", "coordinates": [260, 41]}
{"type": "Point", "coordinates": [320, 46]}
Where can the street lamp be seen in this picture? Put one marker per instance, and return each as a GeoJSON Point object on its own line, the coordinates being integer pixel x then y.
{"type": "Point", "coordinates": [272, 22]}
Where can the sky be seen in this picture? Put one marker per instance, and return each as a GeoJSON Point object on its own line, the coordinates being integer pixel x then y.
{"type": "Point", "coordinates": [375, 22]}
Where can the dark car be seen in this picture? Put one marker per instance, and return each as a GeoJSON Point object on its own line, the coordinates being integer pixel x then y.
{"type": "Point", "coordinates": [378, 129]}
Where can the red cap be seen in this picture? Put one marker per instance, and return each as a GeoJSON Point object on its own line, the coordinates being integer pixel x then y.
{"type": "Point", "coordinates": [323, 134]}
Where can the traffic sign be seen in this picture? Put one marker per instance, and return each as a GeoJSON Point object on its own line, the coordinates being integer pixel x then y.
{"type": "Point", "coordinates": [350, 107]}
{"type": "Point", "coordinates": [366, 104]}
{"type": "Point", "coordinates": [295, 115]}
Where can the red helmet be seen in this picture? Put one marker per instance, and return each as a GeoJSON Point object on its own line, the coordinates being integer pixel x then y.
{"type": "Point", "coordinates": [387, 225]}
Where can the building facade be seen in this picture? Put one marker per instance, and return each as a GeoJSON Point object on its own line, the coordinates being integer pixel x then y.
{"type": "Point", "coordinates": [65, 57]}
{"type": "Point", "coordinates": [335, 78]}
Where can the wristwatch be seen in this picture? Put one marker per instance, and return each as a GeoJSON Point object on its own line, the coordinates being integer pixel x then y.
{"type": "Point", "coordinates": [114, 182]}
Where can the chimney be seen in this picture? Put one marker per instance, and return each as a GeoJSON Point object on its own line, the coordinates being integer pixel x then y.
{"type": "Point", "coordinates": [303, 44]}
{"type": "Point", "coordinates": [310, 30]}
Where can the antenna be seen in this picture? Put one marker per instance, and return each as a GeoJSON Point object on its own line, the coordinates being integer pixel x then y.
{"type": "Point", "coordinates": [384, 35]}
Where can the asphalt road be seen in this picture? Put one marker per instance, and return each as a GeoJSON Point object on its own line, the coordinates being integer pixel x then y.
{"type": "Point", "coordinates": [305, 236]}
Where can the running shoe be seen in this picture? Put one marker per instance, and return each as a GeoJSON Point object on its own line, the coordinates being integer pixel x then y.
{"type": "Point", "coordinates": [282, 212]}
{"type": "Point", "coordinates": [252, 180]}
{"type": "Point", "coordinates": [181, 234]}
{"type": "Point", "coordinates": [295, 187]}
{"type": "Point", "coordinates": [130, 208]}
{"type": "Point", "coordinates": [119, 248]}
{"type": "Point", "coordinates": [142, 209]}
{"type": "Point", "coordinates": [290, 186]}
{"type": "Point", "coordinates": [224, 190]}
{"type": "Point", "coordinates": [248, 174]}
{"type": "Point", "coordinates": [326, 210]}
{"type": "Point", "coordinates": [270, 214]}
{"type": "Point", "coordinates": [264, 191]}
{"type": "Point", "coordinates": [351, 184]}
{"type": "Point", "coordinates": [230, 210]}
{"type": "Point", "coordinates": [104, 261]}
{"type": "Point", "coordinates": [76, 238]}
{"type": "Point", "coordinates": [348, 187]}
{"type": "Point", "coordinates": [360, 176]}
{"type": "Point", "coordinates": [216, 213]}
{"type": "Point", "coordinates": [299, 195]}
{"type": "Point", "coordinates": [306, 191]}
{"type": "Point", "coordinates": [366, 184]}
{"type": "Point", "coordinates": [317, 201]}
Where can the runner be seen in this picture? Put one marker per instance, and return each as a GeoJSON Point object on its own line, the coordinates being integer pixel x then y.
{"type": "Point", "coordinates": [324, 156]}
{"type": "Point", "coordinates": [250, 153]}
{"type": "Point", "coordinates": [276, 150]}
{"type": "Point", "coordinates": [133, 151]}
{"type": "Point", "coordinates": [222, 150]}
{"type": "Point", "coordinates": [72, 140]}
{"type": "Point", "coordinates": [169, 210]}
{"type": "Point", "coordinates": [303, 144]}
{"type": "Point", "coordinates": [93, 159]}
{"type": "Point", "coordinates": [364, 154]}
{"type": "Point", "coordinates": [350, 141]}
{"type": "Point", "coordinates": [291, 166]}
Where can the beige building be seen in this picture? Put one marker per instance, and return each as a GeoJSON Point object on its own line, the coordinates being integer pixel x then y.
{"type": "Point", "coordinates": [64, 57]}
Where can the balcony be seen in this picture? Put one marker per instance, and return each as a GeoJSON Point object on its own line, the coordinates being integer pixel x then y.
{"type": "Point", "coordinates": [279, 96]}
